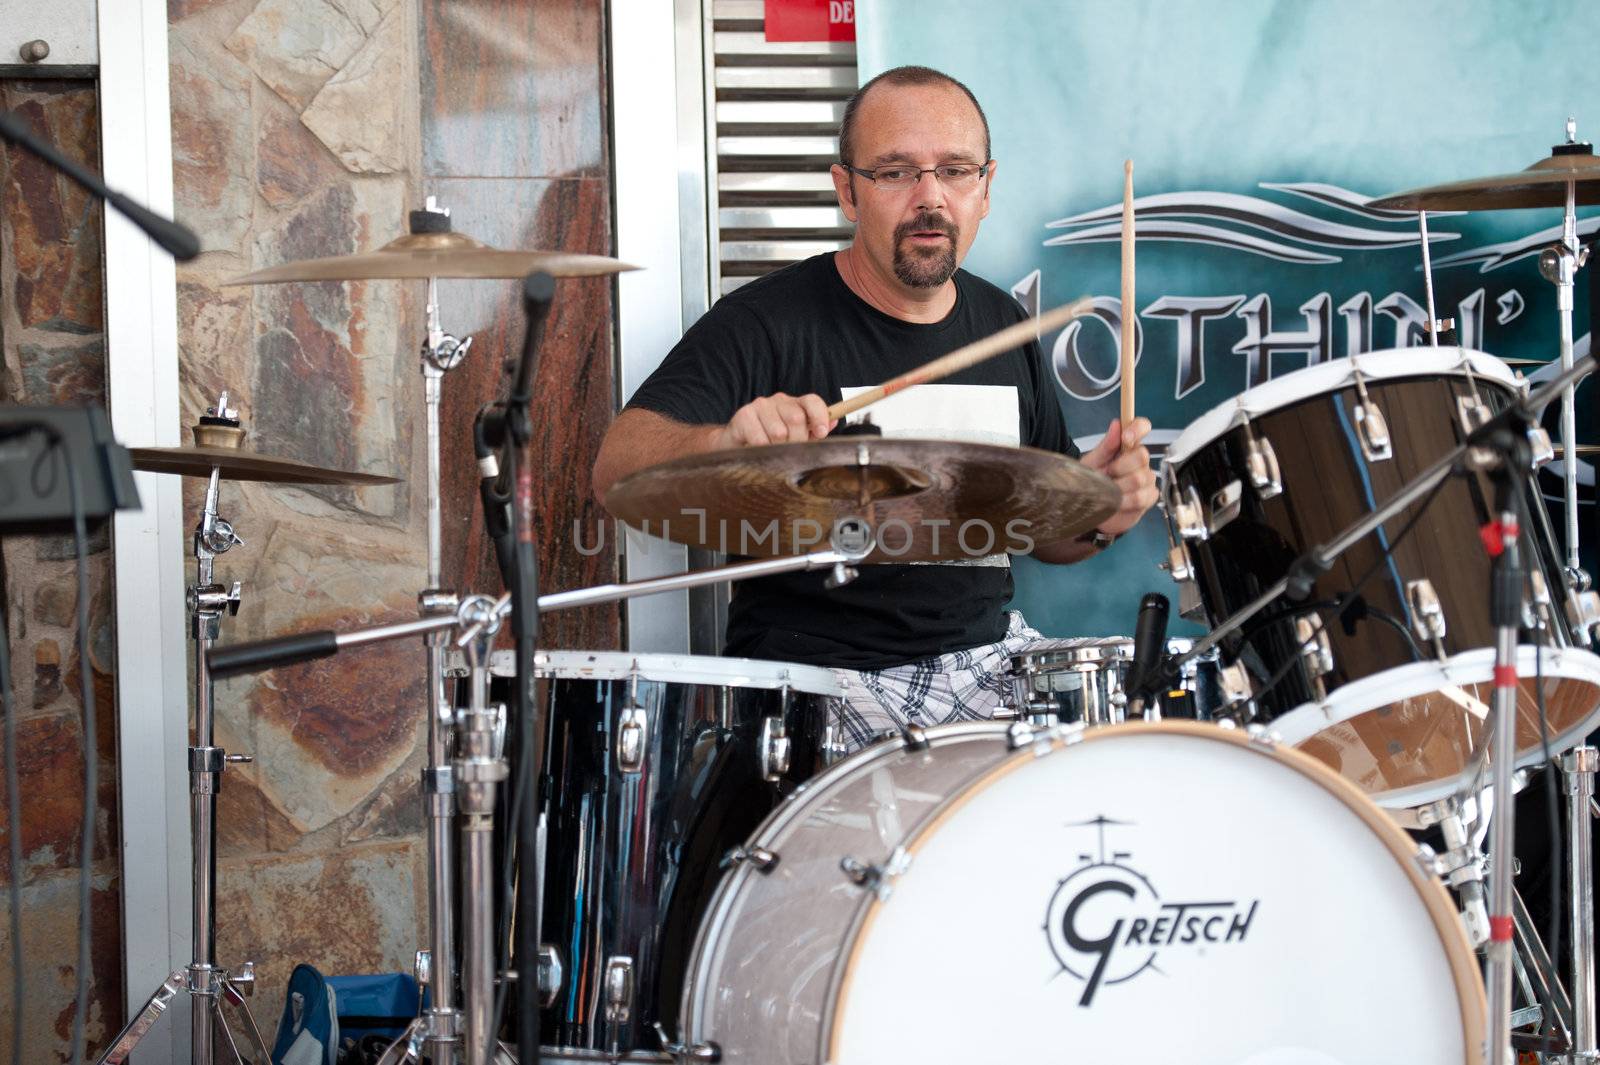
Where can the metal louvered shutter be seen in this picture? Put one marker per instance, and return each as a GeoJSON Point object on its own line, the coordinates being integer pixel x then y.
{"type": "Point", "coordinates": [775, 111]}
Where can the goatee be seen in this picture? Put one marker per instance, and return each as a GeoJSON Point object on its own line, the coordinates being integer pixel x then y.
{"type": "Point", "coordinates": [919, 267]}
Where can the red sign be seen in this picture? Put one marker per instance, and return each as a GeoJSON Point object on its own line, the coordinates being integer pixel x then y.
{"type": "Point", "coordinates": [811, 20]}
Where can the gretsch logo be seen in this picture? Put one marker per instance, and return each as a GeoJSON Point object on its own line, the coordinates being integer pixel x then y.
{"type": "Point", "coordinates": [1107, 924]}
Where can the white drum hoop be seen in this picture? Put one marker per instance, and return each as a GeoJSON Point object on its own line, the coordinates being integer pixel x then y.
{"type": "Point", "coordinates": [1421, 678]}
{"type": "Point", "coordinates": [1442, 912]}
{"type": "Point", "coordinates": [1325, 377]}
{"type": "Point", "coordinates": [688, 669]}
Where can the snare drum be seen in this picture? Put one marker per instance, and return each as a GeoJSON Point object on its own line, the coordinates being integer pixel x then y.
{"type": "Point", "coordinates": [977, 893]}
{"type": "Point", "coordinates": [1085, 680]}
{"type": "Point", "coordinates": [656, 766]}
{"type": "Point", "coordinates": [1262, 479]}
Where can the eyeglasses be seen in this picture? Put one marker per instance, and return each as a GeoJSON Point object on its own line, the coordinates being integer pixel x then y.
{"type": "Point", "coordinates": [957, 177]}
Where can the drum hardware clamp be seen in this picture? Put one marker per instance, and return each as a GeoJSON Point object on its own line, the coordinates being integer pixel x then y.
{"type": "Point", "coordinates": [760, 859]}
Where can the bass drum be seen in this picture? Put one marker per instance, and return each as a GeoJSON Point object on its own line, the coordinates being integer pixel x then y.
{"type": "Point", "coordinates": [771, 935]}
{"type": "Point", "coordinates": [1111, 894]}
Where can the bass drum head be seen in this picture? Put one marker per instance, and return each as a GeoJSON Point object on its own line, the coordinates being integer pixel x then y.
{"type": "Point", "coordinates": [1154, 894]}
{"type": "Point", "coordinates": [758, 978]}
{"type": "Point", "coordinates": [1408, 736]}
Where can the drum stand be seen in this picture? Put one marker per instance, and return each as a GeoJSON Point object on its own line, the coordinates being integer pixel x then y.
{"type": "Point", "coordinates": [1559, 264]}
{"type": "Point", "coordinates": [438, 1030]}
{"type": "Point", "coordinates": [208, 986]}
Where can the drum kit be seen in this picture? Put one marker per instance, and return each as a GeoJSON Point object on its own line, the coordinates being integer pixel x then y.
{"type": "Point", "coordinates": [671, 858]}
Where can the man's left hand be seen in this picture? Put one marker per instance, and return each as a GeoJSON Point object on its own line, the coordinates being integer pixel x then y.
{"type": "Point", "coordinates": [1122, 457]}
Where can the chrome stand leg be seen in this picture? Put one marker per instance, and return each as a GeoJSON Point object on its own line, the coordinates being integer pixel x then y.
{"type": "Point", "coordinates": [233, 997]}
{"type": "Point", "coordinates": [479, 771]}
{"type": "Point", "coordinates": [408, 1047]}
{"type": "Point", "coordinates": [1578, 767]}
{"type": "Point", "coordinates": [145, 1019]}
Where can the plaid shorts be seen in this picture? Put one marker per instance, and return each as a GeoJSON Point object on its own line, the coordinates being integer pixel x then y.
{"type": "Point", "coordinates": [968, 685]}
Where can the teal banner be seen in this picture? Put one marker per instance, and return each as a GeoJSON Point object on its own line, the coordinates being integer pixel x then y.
{"type": "Point", "coordinates": [1258, 132]}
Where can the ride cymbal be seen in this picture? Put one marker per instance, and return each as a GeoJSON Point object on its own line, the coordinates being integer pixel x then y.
{"type": "Point", "coordinates": [218, 445]}
{"type": "Point", "coordinates": [1544, 184]}
{"type": "Point", "coordinates": [926, 500]}
{"type": "Point", "coordinates": [425, 255]}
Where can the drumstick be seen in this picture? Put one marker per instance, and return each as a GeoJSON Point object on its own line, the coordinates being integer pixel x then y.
{"type": "Point", "coordinates": [1012, 336]}
{"type": "Point", "coordinates": [1127, 294]}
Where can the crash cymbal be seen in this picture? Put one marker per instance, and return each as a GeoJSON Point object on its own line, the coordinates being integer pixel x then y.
{"type": "Point", "coordinates": [919, 496]}
{"type": "Point", "coordinates": [221, 446]}
{"type": "Point", "coordinates": [1544, 184]}
{"type": "Point", "coordinates": [424, 255]}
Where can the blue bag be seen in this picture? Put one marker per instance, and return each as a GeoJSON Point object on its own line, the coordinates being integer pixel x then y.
{"type": "Point", "coordinates": [308, 1033]}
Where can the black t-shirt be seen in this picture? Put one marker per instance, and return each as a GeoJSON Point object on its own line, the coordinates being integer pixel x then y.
{"type": "Point", "coordinates": [802, 330]}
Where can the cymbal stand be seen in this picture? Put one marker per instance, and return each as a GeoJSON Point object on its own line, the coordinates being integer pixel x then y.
{"type": "Point", "coordinates": [1578, 769]}
{"type": "Point", "coordinates": [1559, 264]}
{"type": "Point", "coordinates": [438, 1030]}
{"type": "Point", "coordinates": [208, 986]}
{"type": "Point", "coordinates": [479, 769]}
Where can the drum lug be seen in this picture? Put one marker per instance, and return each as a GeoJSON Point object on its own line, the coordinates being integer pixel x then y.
{"type": "Point", "coordinates": [619, 989]}
{"type": "Point", "coordinates": [1189, 515]}
{"type": "Point", "coordinates": [1315, 647]}
{"type": "Point", "coordinates": [1541, 451]}
{"type": "Point", "coordinates": [758, 858]}
{"type": "Point", "coordinates": [684, 1053]}
{"type": "Point", "coordinates": [1019, 735]}
{"type": "Point", "coordinates": [1371, 427]}
{"type": "Point", "coordinates": [1261, 736]}
{"type": "Point", "coordinates": [1180, 564]}
{"type": "Point", "coordinates": [875, 878]}
{"type": "Point", "coordinates": [1583, 610]}
{"type": "Point", "coordinates": [1427, 613]}
{"type": "Point", "coordinates": [631, 736]}
{"type": "Point", "coordinates": [913, 738]}
{"type": "Point", "coordinates": [551, 974]}
{"type": "Point", "coordinates": [775, 749]}
{"type": "Point", "coordinates": [1474, 414]}
{"type": "Point", "coordinates": [1541, 606]}
{"type": "Point", "coordinates": [1235, 685]}
{"type": "Point", "coordinates": [1262, 462]}
{"type": "Point", "coordinates": [1428, 861]}
{"type": "Point", "coordinates": [1225, 503]}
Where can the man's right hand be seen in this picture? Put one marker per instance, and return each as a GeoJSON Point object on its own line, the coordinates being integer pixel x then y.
{"type": "Point", "coordinates": [775, 419]}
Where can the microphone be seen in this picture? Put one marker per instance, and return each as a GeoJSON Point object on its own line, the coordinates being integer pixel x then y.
{"type": "Point", "coordinates": [495, 495]}
{"type": "Point", "coordinates": [1149, 650]}
{"type": "Point", "coordinates": [176, 239]}
{"type": "Point", "coordinates": [538, 289]}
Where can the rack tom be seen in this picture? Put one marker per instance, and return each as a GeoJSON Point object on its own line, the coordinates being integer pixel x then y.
{"type": "Point", "coordinates": [1387, 686]}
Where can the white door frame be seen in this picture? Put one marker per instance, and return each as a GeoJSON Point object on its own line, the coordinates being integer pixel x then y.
{"type": "Point", "coordinates": [142, 388]}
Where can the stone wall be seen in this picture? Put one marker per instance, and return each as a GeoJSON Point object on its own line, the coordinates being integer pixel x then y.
{"type": "Point", "coordinates": [305, 128]}
{"type": "Point", "coordinates": [295, 136]}
{"type": "Point", "coordinates": [52, 351]}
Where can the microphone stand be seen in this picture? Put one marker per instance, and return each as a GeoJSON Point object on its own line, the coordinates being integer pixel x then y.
{"type": "Point", "coordinates": [509, 427]}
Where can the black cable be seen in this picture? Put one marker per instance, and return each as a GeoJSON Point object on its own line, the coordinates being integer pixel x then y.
{"type": "Point", "coordinates": [1373, 571]}
{"type": "Point", "coordinates": [91, 753]}
{"type": "Point", "coordinates": [13, 826]}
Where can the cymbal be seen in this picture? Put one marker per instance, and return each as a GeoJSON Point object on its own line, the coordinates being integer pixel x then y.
{"type": "Point", "coordinates": [927, 500]}
{"type": "Point", "coordinates": [218, 445]}
{"type": "Point", "coordinates": [425, 255]}
{"type": "Point", "coordinates": [1544, 184]}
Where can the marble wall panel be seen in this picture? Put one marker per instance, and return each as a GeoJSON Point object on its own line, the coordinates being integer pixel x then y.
{"type": "Point", "coordinates": [513, 89]}
{"type": "Point", "coordinates": [573, 388]}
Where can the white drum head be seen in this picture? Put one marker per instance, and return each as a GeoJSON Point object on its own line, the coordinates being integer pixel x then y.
{"type": "Point", "coordinates": [1408, 736]}
{"type": "Point", "coordinates": [1158, 894]}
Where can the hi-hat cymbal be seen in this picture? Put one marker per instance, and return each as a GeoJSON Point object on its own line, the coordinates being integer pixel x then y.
{"type": "Point", "coordinates": [425, 255]}
{"type": "Point", "coordinates": [1544, 184]}
{"type": "Point", "coordinates": [927, 500]}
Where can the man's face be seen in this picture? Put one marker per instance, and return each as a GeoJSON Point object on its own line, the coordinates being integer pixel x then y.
{"type": "Point", "coordinates": [922, 233]}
